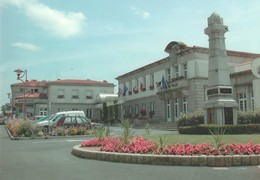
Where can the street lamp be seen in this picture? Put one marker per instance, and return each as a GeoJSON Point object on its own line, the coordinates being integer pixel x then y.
{"type": "Point", "coordinates": [20, 74]}
{"type": "Point", "coordinates": [10, 115]}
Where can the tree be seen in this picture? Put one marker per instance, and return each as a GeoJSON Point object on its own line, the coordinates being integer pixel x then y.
{"type": "Point", "coordinates": [3, 109]}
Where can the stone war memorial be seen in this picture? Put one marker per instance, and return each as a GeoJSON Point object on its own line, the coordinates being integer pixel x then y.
{"type": "Point", "coordinates": [220, 107]}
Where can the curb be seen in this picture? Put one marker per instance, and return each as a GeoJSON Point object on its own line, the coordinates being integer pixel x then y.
{"type": "Point", "coordinates": [166, 160]}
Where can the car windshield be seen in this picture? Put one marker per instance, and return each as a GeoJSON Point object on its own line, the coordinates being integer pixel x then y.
{"type": "Point", "coordinates": [58, 117]}
{"type": "Point", "coordinates": [45, 118]}
{"type": "Point", "coordinates": [49, 117]}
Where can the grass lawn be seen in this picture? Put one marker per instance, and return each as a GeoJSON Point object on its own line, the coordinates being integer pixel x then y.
{"type": "Point", "coordinates": [198, 139]}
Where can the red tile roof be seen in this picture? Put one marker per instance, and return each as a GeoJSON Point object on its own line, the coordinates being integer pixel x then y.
{"type": "Point", "coordinates": [35, 83]}
{"type": "Point", "coordinates": [33, 96]}
{"type": "Point", "coordinates": [32, 83]}
{"type": "Point", "coordinates": [80, 82]}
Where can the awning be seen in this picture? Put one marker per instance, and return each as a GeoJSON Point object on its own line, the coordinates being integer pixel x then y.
{"type": "Point", "coordinates": [102, 98]}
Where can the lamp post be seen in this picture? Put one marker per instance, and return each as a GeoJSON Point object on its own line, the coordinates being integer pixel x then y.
{"type": "Point", "coordinates": [20, 74]}
{"type": "Point", "coordinates": [10, 115]}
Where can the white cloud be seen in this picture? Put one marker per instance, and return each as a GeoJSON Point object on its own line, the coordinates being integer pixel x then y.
{"type": "Point", "coordinates": [144, 14]}
{"type": "Point", "coordinates": [26, 46]}
{"type": "Point", "coordinates": [58, 23]}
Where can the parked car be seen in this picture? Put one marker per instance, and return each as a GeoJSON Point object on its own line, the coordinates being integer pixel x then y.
{"type": "Point", "coordinates": [74, 121]}
{"type": "Point", "coordinates": [35, 118]}
{"type": "Point", "coordinates": [46, 118]}
{"type": "Point", "coordinates": [45, 124]}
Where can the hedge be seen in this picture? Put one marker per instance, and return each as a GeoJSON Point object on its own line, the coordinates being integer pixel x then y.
{"type": "Point", "coordinates": [229, 129]}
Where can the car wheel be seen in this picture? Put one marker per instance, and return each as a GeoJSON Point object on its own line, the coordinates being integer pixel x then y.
{"type": "Point", "coordinates": [45, 129]}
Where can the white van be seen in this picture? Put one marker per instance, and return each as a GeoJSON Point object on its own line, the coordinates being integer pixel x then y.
{"type": "Point", "coordinates": [48, 122]}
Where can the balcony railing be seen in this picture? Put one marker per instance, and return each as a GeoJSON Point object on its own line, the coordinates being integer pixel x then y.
{"type": "Point", "coordinates": [175, 84]}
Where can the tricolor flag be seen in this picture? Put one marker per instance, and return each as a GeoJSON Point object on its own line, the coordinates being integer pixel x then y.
{"type": "Point", "coordinates": [135, 90]}
{"type": "Point", "coordinates": [125, 90]}
{"type": "Point", "coordinates": [141, 86]}
{"type": "Point", "coordinates": [164, 84]}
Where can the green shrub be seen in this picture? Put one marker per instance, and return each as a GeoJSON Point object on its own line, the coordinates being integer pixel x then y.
{"type": "Point", "coordinates": [249, 117]}
{"type": "Point", "coordinates": [218, 136]}
{"type": "Point", "coordinates": [229, 129]}
{"type": "Point", "coordinates": [191, 119]}
{"type": "Point", "coordinates": [127, 133]}
{"type": "Point", "coordinates": [100, 132]}
{"type": "Point", "coordinates": [23, 128]}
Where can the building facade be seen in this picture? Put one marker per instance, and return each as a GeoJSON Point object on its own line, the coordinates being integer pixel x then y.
{"type": "Point", "coordinates": [42, 97]}
{"type": "Point", "coordinates": [177, 84]}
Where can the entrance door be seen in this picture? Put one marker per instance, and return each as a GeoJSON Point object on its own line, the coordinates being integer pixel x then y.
{"type": "Point", "coordinates": [228, 112]}
{"type": "Point", "coordinates": [168, 111]}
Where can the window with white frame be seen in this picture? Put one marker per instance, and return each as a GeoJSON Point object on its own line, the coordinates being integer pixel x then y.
{"type": "Point", "coordinates": [168, 74]}
{"type": "Point", "coordinates": [89, 94]}
{"type": "Point", "coordinates": [43, 111]}
{"type": "Point", "coordinates": [144, 106]}
{"type": "Point", "coordinates": [61, 94]}
{"type": "Point", "coordinates": [136, 109]}
{"type": "Point", "coordinates": [185, 71]}
{"type": "Point", "coordinates": [176, 70]}
{"type": "Point", "coordinates": [130, 110]}
{"type": "Point", "coordinates": [184, 105]}
{"type": "Point", "coordinates": [151, 79]}
{"type": "Point", "coordinates": [152, 106]}
{"type": "Point", "coordinates": [168, 108]}
{"type": "Point", "coordinates": [144, 81]}
{"type": "Point", "coordinates": [137, 83]}
{"type": "Point", "coordinates": [75, 94]}
{"type": "Point", "coordinates": [252, 101]}
{"type": "Point", "coordinates": [176, 107]}
{"type": "Point", "coordinates": [130, 86]}
{"type": "Point", "coordinates": [89, 113]}
{"type": "Point", "coordinates": [34, 90]}
{"type": "Point", "coordinates": [242, 102]}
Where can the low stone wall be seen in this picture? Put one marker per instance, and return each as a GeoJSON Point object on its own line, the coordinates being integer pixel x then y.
{"type": "Point", "coordinates": [168, 160]}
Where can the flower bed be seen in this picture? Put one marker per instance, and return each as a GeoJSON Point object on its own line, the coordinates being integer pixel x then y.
{"type": "Point", "coordinates": [143, 146]}
{"type": "Point", "coordinates": [26, 128]}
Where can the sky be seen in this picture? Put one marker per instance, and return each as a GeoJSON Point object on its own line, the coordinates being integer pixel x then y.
{"type": "Point", "coordinates": [103, 39]}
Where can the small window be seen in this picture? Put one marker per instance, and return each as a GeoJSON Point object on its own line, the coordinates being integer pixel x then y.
{"type": "Point", "coordinates": [176, 71]}
{"type": "Point", "coordinates": [75, 97]}
{"type": "Point", "coordinates": [185, 71]}
{"type": "Point", "coordinates": [60, 96]}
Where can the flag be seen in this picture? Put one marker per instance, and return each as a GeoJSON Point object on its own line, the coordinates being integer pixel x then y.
{"type": "Point", "coordinates": [164, 84]}
{"type": "Point", "coordinates": [125, 90]}
{"type": "Point", "coordinates": [119, 92]}
{"type": "Point", "coordinates": [135, 90]}
{"type": "Point", "coordinates": [141, 86]}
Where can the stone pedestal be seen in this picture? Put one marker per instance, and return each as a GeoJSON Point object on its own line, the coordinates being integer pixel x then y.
{"type": "Point", "coordinates": [220, 108]}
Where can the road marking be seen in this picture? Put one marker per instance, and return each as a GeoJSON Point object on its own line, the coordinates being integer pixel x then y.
{"type": "Point", "coordinates": [41, 142]}
{"type": "Point", "coordinates": [74, 140]}
{"type": "Point", "coordinates": [220, 168]}
{"type": "Point", "coordinates": [51, 141]}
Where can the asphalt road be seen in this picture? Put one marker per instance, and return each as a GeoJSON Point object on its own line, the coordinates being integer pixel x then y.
{"type": "Point", "coordinates": [51, 160]}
